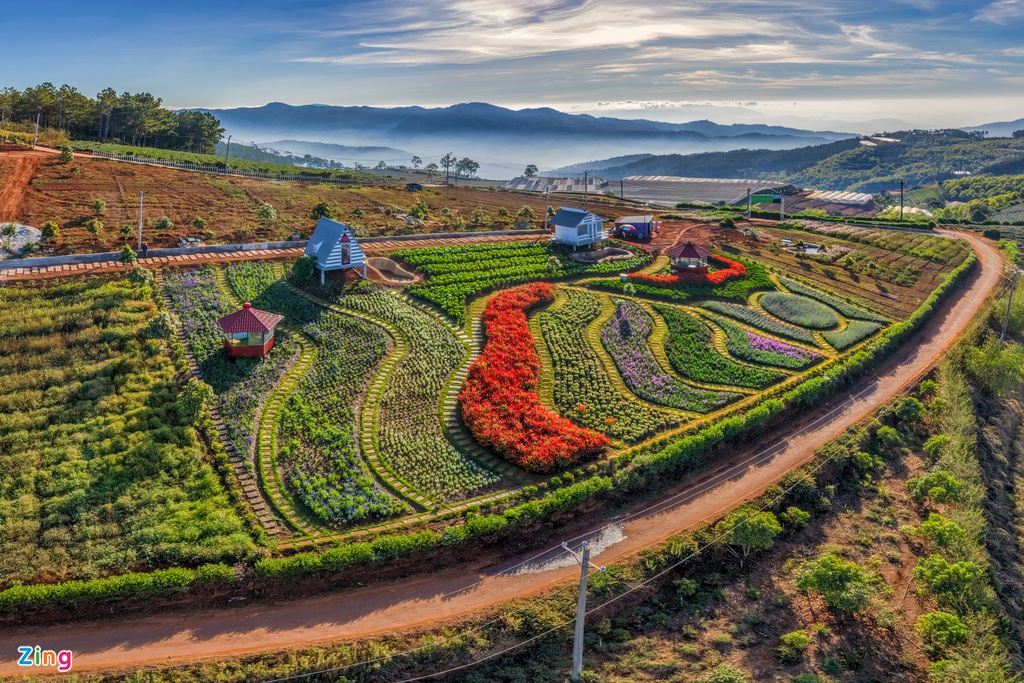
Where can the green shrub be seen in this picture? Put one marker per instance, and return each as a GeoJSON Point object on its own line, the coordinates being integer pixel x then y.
{"type": "Point", "coordinates": [794, 643]}
{"type": "Point", "coordinates": [940, 631]}
{"type": "Point", "coordinates": [725, 673]}
{"type": "Point", "coordinates": [843, 585]}
{"type": "Point", "coordinates": [940, 486]}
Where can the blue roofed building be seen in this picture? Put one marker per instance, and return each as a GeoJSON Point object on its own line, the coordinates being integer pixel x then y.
{"type": "Point", "coordinates": [577, 227]}
{"type": "Point", "coordinates": [333, 248]}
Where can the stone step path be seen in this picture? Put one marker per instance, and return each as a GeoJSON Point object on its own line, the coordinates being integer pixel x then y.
{"type": "Point", "coordinates": [371, 404]}
{"type": "Point", "coordinates": [266, 438]}
{"type": "Point", "coordinates": [656, 341]}
{"type": "Point", "coordinates": [268, 416]}
{"type": "Point", "coordinates": [246, 481]}
{"type": "Point", "coordinates": [823, 346]}
{"type": "Point", "coordinates": [451, 417]}
{"type": "Point", "coordinates": [593, 336]}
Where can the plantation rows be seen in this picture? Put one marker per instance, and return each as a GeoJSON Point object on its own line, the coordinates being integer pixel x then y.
{"type": "Point", "coordinates": [457, 273]}
{"type": "Point", "coordinates": [360, 435]}
{"type": "Point", "coordinates": [409, 433]}
{"type": "Point", "coordinates": [625, 338]}
{"type": "Point", "coordinates": [197, 301]}
{"type": "Point", "coordinates": [100, 468]}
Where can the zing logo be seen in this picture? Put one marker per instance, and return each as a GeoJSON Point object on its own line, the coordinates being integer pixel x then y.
{"type": "Point", "coordinates": [36, 656]}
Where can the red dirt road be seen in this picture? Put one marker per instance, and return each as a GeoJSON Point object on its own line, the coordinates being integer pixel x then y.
{"type": "Point", "coordinates": [409, 604]}
{"type": "Point", "coordinates": [13, 190]}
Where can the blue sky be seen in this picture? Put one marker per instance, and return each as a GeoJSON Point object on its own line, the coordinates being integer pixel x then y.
{"type": "Point", "coordinates": [931, 62]}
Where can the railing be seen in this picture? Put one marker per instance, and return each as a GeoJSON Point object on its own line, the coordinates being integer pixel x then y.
{"type": "Point", "coordinates": [220, 170]}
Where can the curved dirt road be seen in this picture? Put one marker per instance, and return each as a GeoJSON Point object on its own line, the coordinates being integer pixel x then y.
{"type": "Point", "coordinates": [141, 642]}
{"type": "Point", "coordinates": [13, 191]}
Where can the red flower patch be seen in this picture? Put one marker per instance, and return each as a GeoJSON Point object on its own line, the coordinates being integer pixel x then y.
{"type": "Point", "coordinates": [732, 269]}
{"type": "Point", "coordinates": [499, 400]}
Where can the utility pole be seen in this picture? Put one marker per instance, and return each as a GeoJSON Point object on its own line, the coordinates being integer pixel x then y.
{"type": "Point", "coordinates": [547, 199]}
{"type": "Point", "coordinates": [782, 209]}
{"type": "Point", "coordinates": [140, 219]}
{"type": "Point", "coordinates": [227, 156]}
{"type": "Point", "coordinates": [748, 203]}
{"type": "Point", "coordinates": [36, 138]}
{"type": "Point", "coordinates": [902, 184]}
{"type": "Point", "coordinates": [1013, 285]}
{"type": "Point", "coordinates": [586, 185]}
{"type": "Point", "coordinates": [581, 607]}
{"type": "Point", "coordinates": [622, 193]}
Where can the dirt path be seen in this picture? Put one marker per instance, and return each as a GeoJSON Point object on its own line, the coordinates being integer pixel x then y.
{"type": "Point", "coordinates": [13, 191]}
{"type": "Point", "coordinates": [424, 600]}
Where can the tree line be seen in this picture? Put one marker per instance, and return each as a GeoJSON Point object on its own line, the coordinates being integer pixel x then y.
{"type": "Point", "coordinates": [131, 118]}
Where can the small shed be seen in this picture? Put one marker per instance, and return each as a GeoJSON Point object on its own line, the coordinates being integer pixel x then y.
{"type": "Point", "coordinates": [249, 332]}
{"type": "Point", "coordinates": [577, 227]}
{"type": "Point", "coordinates": [636, 227]}
{"type": "Point", "coordinates": [688, 257]}
{"type": "Point", "coordinates": [414, 187]}
{"type": "Point", "coordinates": [333, 248]}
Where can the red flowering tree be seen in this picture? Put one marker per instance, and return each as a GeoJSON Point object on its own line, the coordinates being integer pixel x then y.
{"type": "Point", "coordinates": [499, 400]}
{"type": "Point", "coordinates": [731, 269]}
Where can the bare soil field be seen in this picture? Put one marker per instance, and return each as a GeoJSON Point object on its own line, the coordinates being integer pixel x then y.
{"type": "Point", "coordinates": [57, 192]}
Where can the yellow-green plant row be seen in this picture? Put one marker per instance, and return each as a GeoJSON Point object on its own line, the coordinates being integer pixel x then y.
{"type": "Point", "coordinates": [99, 472]}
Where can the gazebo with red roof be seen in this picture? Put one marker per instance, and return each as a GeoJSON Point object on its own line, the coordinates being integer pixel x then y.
{"type": "Point", "coordinates": [249, 332]}
{"type": "Point", "coordinates": [688, 258]}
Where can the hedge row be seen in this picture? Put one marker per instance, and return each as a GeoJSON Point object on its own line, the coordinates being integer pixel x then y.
{"type": "Point", "coordinates": [682, 454]}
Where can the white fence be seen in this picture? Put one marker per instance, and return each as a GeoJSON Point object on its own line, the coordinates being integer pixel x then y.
{"type": "Point", "coordinates": [219, 170]}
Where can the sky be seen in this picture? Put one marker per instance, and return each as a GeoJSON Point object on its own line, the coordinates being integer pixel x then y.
{"type": "Point", "coordinates": [930, 63]}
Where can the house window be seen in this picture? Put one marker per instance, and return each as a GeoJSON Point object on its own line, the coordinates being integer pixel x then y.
{"type": "Point", "coordinates": [581, 230]}
{"type": "Point", "coordinates": [346, 254]}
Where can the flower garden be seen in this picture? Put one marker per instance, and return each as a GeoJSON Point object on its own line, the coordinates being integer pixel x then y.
{"type": "Point", "coordinates": [510, 386]}
{"type": "Point", "coordinates": [572, 367]}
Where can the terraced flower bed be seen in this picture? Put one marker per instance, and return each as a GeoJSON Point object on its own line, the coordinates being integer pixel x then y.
{"type": "Point", "coordinates": [738, 288]}
{"type": "Point", "coordinates": [625, 337]}
{"type": "Point", "coordinates": [249, 279]}
{"type": "Point", "coordinates": [409, 434]}
{"type": "Point", "coordinates": [845, 308]}
{"type": "Point", "coordinates": [456, 273]}
{"type": "Point", "coordinates": [499, 400]}
{"type": "Point", "coordinates": [856, 332]}
{"type": "Point", "coordinates": [799, 310]}
{"type": "Point", "coordinates": [583, 390]}
{"type": "Point", "coordinates": [758, 320]}
{"type": "Point", "coordinates": [318, 451]}
{"type": "Point", "coordinates": [690, 349]}
{"type": "Point", "coordinates": [728, 269]}
{"type": "Point", "coordinates": [241, 386]}
{"type": "Point", "coordinates": [757, 348]}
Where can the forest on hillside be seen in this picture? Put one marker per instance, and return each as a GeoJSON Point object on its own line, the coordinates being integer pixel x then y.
{"type": "Point", "coordinates": [131, 118]}
{"type": "Point", "coordinates": [918, 157]}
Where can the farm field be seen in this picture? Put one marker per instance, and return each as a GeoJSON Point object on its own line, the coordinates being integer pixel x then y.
{"type": "Point", "coordinates": [102, 472]}
{"type": "Point", "coordinates": [228, 205]}
{"type": "Point", "coordinates": [385, 408]}
{"type": "Point", "coordinates": [876, 286]}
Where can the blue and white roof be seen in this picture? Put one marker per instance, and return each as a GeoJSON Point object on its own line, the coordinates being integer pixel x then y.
{"type": "Point", "coordinates": [569, 217]}
{"type": "Point", "coordinates": [326, 246]}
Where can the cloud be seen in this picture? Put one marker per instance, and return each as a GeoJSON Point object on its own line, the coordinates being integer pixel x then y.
{"type": "Point", "coordinates": [1001, 12]}
{"type": "Point", "coordinates": [485, 30]}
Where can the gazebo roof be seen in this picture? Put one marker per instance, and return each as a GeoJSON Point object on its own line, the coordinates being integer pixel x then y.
{"type": "Point", "coordinates": [687, 250]}
{"type": "Point", "coordinates": [249, 319]}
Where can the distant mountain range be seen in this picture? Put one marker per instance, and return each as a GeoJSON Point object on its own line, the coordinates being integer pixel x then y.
{"type": "Point", "coordinates": [918, 157]}
{"type": "Point", "coordinates": [1002, 129]}
{"type": "Point", "coordinates": [488, 133]}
